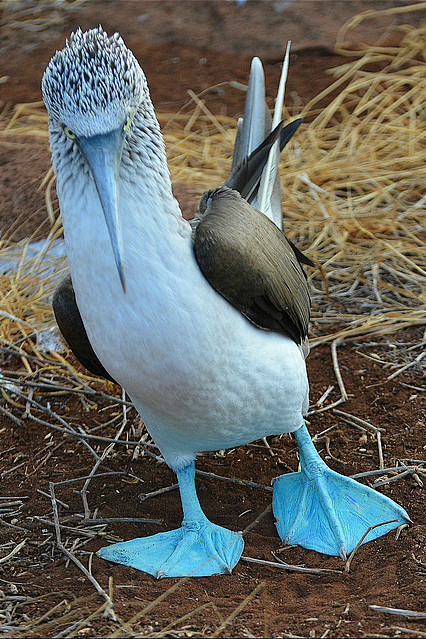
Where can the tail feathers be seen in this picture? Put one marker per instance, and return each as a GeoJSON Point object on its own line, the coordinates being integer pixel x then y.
{"type": "Point", "coordinates": [246, 176]}
{"type": "Point", "coordinates": [256, 123]}
{"type": "Point", "coordinates": [252, 159]}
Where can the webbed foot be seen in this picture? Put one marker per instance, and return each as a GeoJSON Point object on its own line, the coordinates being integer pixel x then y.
{"type": "Point", "coordinates": [319, 509]}
{"type": "Point", "coordinates": [198, 549]}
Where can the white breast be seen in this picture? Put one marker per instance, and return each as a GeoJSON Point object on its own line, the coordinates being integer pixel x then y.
{"type": "Point", "coordinates": [201, 376]}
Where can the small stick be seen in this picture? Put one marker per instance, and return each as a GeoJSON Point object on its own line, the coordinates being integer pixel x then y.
{"type": "Point", "coordinates": [70, 555]}
{"type": "Point", "coordinates": [12, 417]}
{"type": "Point", "coordinates": [62, 503]}
{"type": "Point", "coordinates": [320, 435]}
{"type": "Point", "coordinates": [49, 412]}
{"type": "Point", "coordinates": [418, 633]}
{"type": "Point", "coordinates": [399, 530]}
{"type": "Point", "coordinates": [329, 453]}
{"type": "Point", "coordinates": [416, 388]}
{"type": "Point", "coordinates": [315, 411]}
{"type": "Point", "coordinates": [400, 611]}
{"type": "Point", "coordinates": [99, 461]}
{"type": "Point", "coordinates": [258, 519]}
{"type": "Point", "coordinates": [351, 556]}
{"type": "Point", "coordinates": [241, 482]}
{"type": "Point", "coordinates": [404, 368]}
{"type": "Point", "coordinates": [284, 566]}
{"type": "Point", "coordinates": [112, 520]}
{"type": "Point", "coordinates": [382, 482]}
{"type": "Point", "coordinates": [382, 471]}
{"type": "Point", "coordinates": [13, 552]}
{"type": "Point", "coordinates": [71, 481]}
{"type": "Point", "coordinates": [334, 345]}
{"type": "Point", "coordinates": [359, 421]}
{"type": "Point", "coordinates": [156, 493]}
{"type": "Point", "coordinates": [351, 423]}
{"type": "Point", "coordinates": [83, 491]}
{"type": "Point", "coordinates": [380, 450]}
{"type": "Point", "coordinates": [375, 273]}
{"type": "Point", "coordinates": [265, 441]}
{"type": "Point", "coordinates": [324, 396]}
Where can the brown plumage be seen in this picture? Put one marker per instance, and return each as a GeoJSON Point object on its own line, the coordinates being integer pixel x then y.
{"type": "Point", "coordinates": [250, 261]}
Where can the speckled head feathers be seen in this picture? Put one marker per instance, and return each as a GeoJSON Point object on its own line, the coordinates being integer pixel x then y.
{"type": "Point", "coordinates": [94, 83]}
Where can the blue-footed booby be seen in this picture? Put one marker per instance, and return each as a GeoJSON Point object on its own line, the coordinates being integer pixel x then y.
{"type": "Point", "coordinates": [204, 324]}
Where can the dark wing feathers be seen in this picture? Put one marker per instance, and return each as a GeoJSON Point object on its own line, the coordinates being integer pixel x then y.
{"type": "Point", "coordinates": [72, 328]}
{"type": "Point", "coordinates": [245, 178]}
{"type": "Point", "coordinates": [251, 263]}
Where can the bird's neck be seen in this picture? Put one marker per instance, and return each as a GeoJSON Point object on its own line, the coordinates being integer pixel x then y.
{"type": "Point", "coordinates": [155, 235]}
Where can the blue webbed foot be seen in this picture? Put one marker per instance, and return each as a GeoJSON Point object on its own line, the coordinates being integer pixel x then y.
{"type": "Point", "coordinates": [319, 509]}
{"type": "Point", "coordinates": [198, 549]}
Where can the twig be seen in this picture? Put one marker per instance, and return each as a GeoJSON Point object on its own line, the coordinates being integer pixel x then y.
{"type": "Point", "coordinates": [284, 566]}
{"type": "Point", "coordinates": [381, 471]}
{"type": "Point", "coordinates": [417, 633]}
{"type": "Point", "coordinates": [404, 368]}
{"type": "Point", "coordinates": [351, 556]}
{"type": "Point", "coordinates": [265, 441]}
{"type": "Point", "coordinates": [238, 609]}
{"type": "Point", "coordinates": [382, 482]}
{"type": "Point", "coordinates": [329, 453]}
{"type": "Point", "coordinates": [156, 493]}
{"type": "Point", "coordinates": [358, 420]}
{"type": "Point", "coordinates": [258, 519]}
{"type": "Point", "coordinates": [241, 482]}
{"type": "Point", "coordinates": [14, 552]}
{"type": "Point", "coordinates": [83, 492]}
{"type": "Point", "coordinates": [379, 448]}
{"type": "Point", "coordinates": [106, 452]}
{"type": "Point", "coordinates": [111, 520]}
{"type": "Point", "coordinates": [414, 615]}
{"type": "Point", "coordinates": [11, 416]}
{"type": "Point", "coordinates": [75, 479]}
{"type": "Point", "coordinates": [69, 429]}
{"type": "Point", "coordinates": [343, 393]}
{"type": "Point", "coordinates": [62, 503]}
{"type": "Point", "coordinates": [324, 396]}
{"type": "Point", "coordinates": [71, 556]}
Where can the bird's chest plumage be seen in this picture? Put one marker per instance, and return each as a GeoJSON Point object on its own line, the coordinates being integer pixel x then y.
{"type": "Point", "coordinates": [199, 373]}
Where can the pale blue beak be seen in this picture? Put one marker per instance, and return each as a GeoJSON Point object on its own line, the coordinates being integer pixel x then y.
{"type": "Point", "coordinates": [103, 155]}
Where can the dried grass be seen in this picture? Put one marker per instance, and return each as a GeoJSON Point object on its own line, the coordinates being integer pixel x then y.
{"type": "Point", "coordinates": [353, 185]}
{"type": "Point", "coordinates": [353, 191]}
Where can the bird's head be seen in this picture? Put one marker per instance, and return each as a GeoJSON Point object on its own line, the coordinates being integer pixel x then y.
{"type": "Point", "coordinates": [92, 89]}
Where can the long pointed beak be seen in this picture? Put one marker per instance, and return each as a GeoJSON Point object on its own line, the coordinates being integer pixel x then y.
{"type": "Point", "coordinates": [103, 154]}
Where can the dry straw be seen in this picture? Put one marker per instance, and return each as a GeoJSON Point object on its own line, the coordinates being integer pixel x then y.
{"type": "Point", "coordinates": [353, 193]}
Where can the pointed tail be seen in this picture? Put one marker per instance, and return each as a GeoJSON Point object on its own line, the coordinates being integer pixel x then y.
{"type": "Point", "coordinates": [255, 161]}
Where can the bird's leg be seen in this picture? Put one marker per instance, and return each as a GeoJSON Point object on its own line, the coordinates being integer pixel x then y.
{"type": "Point", "coordinates": [199, 548]}
{"type": "Point", "coordinates": [320, 509]}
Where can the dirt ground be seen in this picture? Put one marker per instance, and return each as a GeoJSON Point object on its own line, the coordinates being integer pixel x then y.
{"type": "Point", "coordinates": [201, 46]}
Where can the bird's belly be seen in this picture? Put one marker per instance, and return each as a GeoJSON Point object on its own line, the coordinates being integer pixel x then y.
{"type": "Point", "coordinates": [198, 391]}
{"type": "Point", "coordinates": [201, 376]}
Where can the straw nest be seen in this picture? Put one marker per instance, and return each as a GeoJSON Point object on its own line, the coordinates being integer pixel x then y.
{"type": "Point", "coordinates": [352, 185]}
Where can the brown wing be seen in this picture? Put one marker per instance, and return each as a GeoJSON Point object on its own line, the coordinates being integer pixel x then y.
{"type": "Point", "coordinates": [72, 328]}
{"type": "Point", "coordinates": [249, 261]}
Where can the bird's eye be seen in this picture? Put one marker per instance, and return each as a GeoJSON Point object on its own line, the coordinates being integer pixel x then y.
{"type": "Point", "coordinates": [127, 123]}
{"type": "Point", "coordinates": [69, 133]}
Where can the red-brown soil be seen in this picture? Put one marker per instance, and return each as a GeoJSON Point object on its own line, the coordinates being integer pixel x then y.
{"type": "Point", "coordinates": [197, 45]}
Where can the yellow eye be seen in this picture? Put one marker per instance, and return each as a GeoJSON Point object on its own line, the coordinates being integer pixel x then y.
{"type": "Point", "coordinates": [69, 133]}
{"type": "Point", "coordinates": [127, 123]}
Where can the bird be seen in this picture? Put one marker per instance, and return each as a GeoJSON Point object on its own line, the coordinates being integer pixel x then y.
{"type": "Point", "coordinates": [204, 324]}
